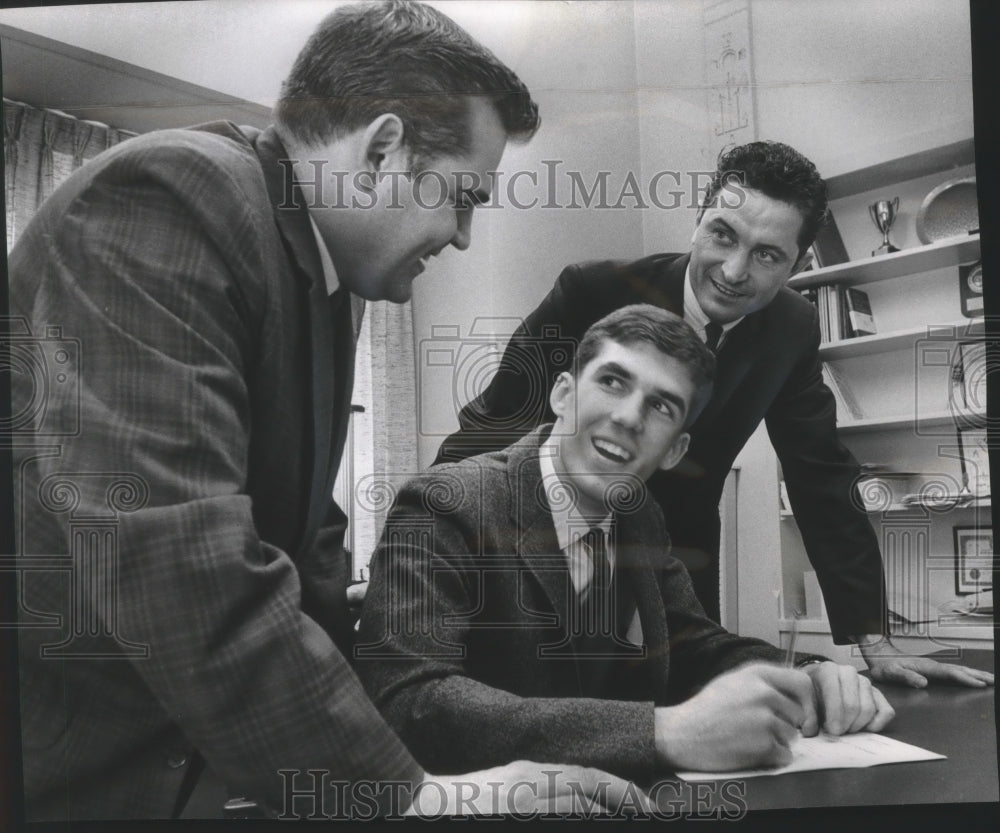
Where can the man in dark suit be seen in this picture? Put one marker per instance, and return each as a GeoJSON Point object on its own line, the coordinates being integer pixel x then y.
{"type": "Point", "coordinates": [184, 581]}
{"type": "Point", "coordinates": [525, 602]}
{"type": "Point", "coordinates": [758, 220]}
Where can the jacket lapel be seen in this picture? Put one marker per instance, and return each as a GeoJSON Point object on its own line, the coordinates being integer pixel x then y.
{"type": "Point", "coordinates": [292, 219]}
{"type": "Point", "coordinates": [347, 326]}
{"type": "Point", "coordinates": [738, 353]}
{"type": "Point", "coordinates": [530, 515]}
{"type": "Point", "coordinates": [672, 284]}
{"type": "Point", "coordinates": [635, 564]}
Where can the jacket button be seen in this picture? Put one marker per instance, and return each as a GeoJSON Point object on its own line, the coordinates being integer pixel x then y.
{"type": "Point", "coordinates": [176, 759]}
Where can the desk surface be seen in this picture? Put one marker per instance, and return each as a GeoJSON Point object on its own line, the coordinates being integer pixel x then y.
{"type": "Point", "coordinates": [956, 722]}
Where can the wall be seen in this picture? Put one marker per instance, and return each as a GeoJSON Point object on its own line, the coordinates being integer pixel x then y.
{"type": "Point", "coordinates": [673, 123]}
{"type": "Point", "coordinates": [852, 83]}
{"type": "Point", "coordinates": [240, 47]}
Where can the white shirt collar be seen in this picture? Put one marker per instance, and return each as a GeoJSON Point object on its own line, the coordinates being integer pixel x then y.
{"type": "Point", "coordinates": [694, 314]}
{"type": "Point", "coordinates": [329, 272]}
{"type": "Point", "coordinates": [569, 524]}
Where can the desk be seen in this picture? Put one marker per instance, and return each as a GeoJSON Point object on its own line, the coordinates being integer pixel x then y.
{"type": "Point", "coordinates": [957, 722]}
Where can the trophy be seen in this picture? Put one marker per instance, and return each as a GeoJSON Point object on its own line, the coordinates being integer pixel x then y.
{"type": "Point", "coordinates": [883, 213]}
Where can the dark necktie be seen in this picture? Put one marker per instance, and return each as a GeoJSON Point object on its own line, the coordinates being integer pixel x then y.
{"type": "Point", "coordinates": [713, 332]}
{"type": "Point", "coordinates": [596, 603]}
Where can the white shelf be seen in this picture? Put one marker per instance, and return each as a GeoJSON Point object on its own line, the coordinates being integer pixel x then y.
{"type": "Point", "coordinates": [943, 253]}
{"type": "Point", "coordinates": [934, 420]}
{"type": "Point", "coordinates": [904, 508]}
{"type": "Point", "coordinates": [965, 330]}
{"type": "Point", "coordinates": [931, 161]}
{"type": "Point", "coordinates": [948, 626]}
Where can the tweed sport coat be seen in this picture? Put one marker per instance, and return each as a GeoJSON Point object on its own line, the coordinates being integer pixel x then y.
{"type": "Point", "coordinates": [468, 596]}
{"type": "Point", "coordinates": [768, 369]}
{"type": "Point", "coordinates": [199, 436]}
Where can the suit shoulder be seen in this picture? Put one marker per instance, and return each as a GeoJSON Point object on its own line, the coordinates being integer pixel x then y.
{"type": "Point", "coordinates": [450, 486]}
{"type": "Point", "coordinates": [602, 270]}
{"type": "Point", "coordinates": [789, 301]}
{"type": "Point", "coordinates": [208, 162]}
{"type": "Point", "coordinates": [792, 313]}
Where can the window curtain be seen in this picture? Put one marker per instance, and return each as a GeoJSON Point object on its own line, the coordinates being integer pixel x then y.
{"type": "Point", "coordinates": [42, 148]}
{"type": "Point", "coordinates": [383, 431]}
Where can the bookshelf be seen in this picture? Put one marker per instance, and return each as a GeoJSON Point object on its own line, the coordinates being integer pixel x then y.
{"type": "Point", "coordinates": [899, 339]}
{"type": "Point", "coordinates": [941, 254]}
{"type": "Point", "coordinates": [908, 415]}
{"type": "Point", "coordinates": [927, 421]}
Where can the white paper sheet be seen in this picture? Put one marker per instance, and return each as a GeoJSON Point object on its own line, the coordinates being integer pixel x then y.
{"type": "Point", "coordinates": [856, 751]}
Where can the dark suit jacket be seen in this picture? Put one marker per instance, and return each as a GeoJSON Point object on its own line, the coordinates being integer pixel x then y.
{"type": "Point", "coordinates": [768, 369]}
{"type": "Point", "coordinates": [214, 381]}
{"type": "Point", "coordinates": [463, 641]}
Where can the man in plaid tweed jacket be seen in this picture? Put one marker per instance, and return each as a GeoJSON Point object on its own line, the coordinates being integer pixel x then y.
{"type": "Point", "coordinates": [207, 308]}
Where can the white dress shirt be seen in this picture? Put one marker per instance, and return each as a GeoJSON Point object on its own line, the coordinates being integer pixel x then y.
{"type": "Point", "coordinates": [571, 528]}
{"type": "Point", "coordinates": [329, 272]}
{"type": "Point", "coordinates": [695, 315]}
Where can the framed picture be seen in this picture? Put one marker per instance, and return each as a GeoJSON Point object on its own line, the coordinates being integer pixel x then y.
{"type": "Point", "coordinates": [970, 290]}
{"type": "Point", "coordinates": [973, 559]}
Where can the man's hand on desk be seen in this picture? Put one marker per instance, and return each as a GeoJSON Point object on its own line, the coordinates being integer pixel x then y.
{"type": "Point", "coordinates": [890, 665]}
{"type": "Point", "coordinates": [749, 717]}
{"type": "Point", "coordinates": [528, 788]}
{"type": "Point", "coordinates": [846, 702]}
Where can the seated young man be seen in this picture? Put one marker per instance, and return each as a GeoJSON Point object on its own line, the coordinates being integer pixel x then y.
{"type": "Point", "coordinates": [522, 604]}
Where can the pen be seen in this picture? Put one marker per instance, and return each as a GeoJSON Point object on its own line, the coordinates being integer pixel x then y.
{"type": "Point", "coordinates": [790, 652]}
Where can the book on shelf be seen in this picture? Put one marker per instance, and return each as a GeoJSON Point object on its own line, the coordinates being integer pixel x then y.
{"type": "Point", "coordinates": [858, 321]}
{"type": "Point", "coordinates": [847, 403]}
{"type": "Point", "coordinates": [844, 312]}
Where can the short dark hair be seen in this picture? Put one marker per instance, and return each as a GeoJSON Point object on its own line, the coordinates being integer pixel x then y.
{"type": "Point", "coordinates": [405, 58]}
{"type": "Point", "coordinates": [779, 172]}
{"type": "Point", "coordinates": [667, 332]}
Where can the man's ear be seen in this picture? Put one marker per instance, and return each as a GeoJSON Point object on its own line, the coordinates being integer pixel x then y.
{"type": "Point", "coordinates": [562, 396]}
{"type": "Point", "coordinates": [804, 261]}
{"type": "Point", "coordinates": [382, 138]}
{"type": "Point", "coordinates": [675, 452]}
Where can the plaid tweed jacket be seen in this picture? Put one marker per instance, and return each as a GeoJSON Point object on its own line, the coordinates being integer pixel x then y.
{"type": "Point", "coordinates": [174, 485]}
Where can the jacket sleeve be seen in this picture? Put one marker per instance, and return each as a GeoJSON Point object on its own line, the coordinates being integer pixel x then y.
{"type": "Point", "coordinates": [156, 267]}
{"type": "Point", "coordinates": [821, 476]}
{"type": "Point", "coordinates": [412, 647]}
{"type": "Point", "coordinates": [698, 648]}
